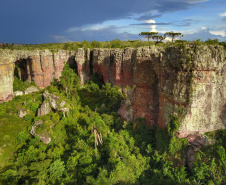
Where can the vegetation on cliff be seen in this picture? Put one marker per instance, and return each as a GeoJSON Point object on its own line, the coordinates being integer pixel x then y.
{"type": "Point", "coordinates": [92, 145]}
{"type": "Point", "coordinates": [71, 46]}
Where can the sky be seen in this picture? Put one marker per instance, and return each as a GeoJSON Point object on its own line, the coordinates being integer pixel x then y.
{"type": "Point", "coordinates": [48, 21]}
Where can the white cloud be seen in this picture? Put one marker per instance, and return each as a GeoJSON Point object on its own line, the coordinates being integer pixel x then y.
{"type": "Point", "coordinates": [153, 27]}
{"type": "Point", "coordinates": [203, 28]}
{"type": "Point", "coordinates": [222, 33]}
{"type": "Point", "coordinates": [223, 14]}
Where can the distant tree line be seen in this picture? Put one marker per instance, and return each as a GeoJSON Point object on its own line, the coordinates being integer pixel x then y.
{"type": "Point", "coordinates": [2, 45]}
{"type": "Point", "coordinates": [72, 46]}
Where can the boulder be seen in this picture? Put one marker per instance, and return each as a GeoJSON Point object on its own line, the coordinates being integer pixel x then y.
{"type": "Point", "coordinates": [31, 89]}
{"type": "Point", "coordinates": [18, 93]}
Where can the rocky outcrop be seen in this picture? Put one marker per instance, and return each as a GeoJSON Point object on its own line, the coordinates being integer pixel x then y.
{"type": "Point", "coordinates": [52, 102]}
{"type": "Point", "coordinates": [22, 113]}
{"type": "Point", "coordinates": [31, 89]}
{"type": "Point", "coordinates": [192, 78]}
{"type": "Point", "coordinates": [44, 137]}
{"type": "Point", "coordinates": [44, 108]}
{"type": "Point", "coordinates": [18, 93]}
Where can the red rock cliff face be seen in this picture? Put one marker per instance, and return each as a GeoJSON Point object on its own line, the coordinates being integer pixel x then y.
{"type": "Point", "coordinates": [167, 80]}
{"type": "Point", "coordinates": [38, 66]}
{"type": "Point", "coordinates": [161, 80]}
{"type": "Point", "coordinates": [128, 68]}
{"type": "Point", "coordinates": [115, 66]}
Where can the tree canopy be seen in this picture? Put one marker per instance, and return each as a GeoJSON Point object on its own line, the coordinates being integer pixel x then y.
{"type": "Point", "coordinates": [148, 35]}
{"type": "Point", "coordinates": [92, 145]}
{"type": "Point", "coordinates": [158, 38]}
{"type": "Point", "coordinates": [173, 35]}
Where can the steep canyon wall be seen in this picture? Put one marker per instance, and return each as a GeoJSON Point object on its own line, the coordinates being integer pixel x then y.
{"type": "Point", "coordinates": [161, 80]}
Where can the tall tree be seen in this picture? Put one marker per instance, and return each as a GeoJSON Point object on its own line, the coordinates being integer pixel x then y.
{"type": "Point", "coordinates": [69, 79]}
{"type": "Point", "coordinates": [158, 38]}
{"type": "Point", "coordinates": [148, 35]}
{"type": "Point", "coordinates": [173, 35]}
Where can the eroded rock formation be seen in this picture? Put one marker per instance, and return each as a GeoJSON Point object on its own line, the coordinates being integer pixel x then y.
{"type": "Point", "coordinates": [38, 66]}
{"type": "Point", "coordinates": [52, 102]}
{"type": "Point", "coordinates": [164, 80]}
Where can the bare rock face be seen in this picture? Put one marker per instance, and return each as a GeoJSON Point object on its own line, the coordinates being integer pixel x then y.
{"type": "Point", "coordinates": [40, 66]}
{"type": "Point", "coordinates": [31, 89]}
{"type": "Point", "coordinates": [44, 108]}
{"type": "Point", "coordinates": [166, 80]}
{"type": "Point", "coordinates": [206, 92]}
{"type": "Point", "coordinates": [50, 102]}
{"type": "Point", "coordinates": [18, 93]}
{"type": "Point", "coordinates": [101, 63]}
{"type": "Point", "coordinates": [126, 110]}
{"type": "Point", "coordinates": [82, 65]}
{"type": "Point", "coordinates": [146, 102]}
{"type": "Point", "coordinates": [6, 75]}
{"type": "Point", "coordinates": [114, 65]}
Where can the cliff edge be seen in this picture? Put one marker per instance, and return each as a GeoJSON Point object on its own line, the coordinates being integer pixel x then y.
{"type": "Point", "coordinates": [158, 81]}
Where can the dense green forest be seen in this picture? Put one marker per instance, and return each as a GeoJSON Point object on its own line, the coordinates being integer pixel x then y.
{"type": "Point", "coordinates": [71, 46]}
{"type": "Point", "coordinates": [91, 144]}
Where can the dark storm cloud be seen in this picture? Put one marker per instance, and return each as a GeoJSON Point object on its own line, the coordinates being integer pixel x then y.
{"type": "Point", "coordinates": [166, 6]}
{"type": "Point", "coordinates": [148, 16]}
{"type": "Point", "coordinates": [151, 24]}
{"type": "Point", "coordinates": [183, 23]}
{"type": "Point", "coordinates": [30, 21]}
{"type": "Point", "coordinates": [104, 34]}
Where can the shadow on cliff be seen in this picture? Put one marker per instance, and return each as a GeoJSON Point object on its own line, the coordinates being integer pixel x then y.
{"type": "Point", "coordinates": [23, 70]}
{"type": "Point", "coordinates": [72, 64]}
{"type": "Point", "coordinates": [223, 115]}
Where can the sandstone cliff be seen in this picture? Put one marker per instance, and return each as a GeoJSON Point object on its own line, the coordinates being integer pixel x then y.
{"type": "Point", "coordinates": [165, 80]}
{"type": "Point", "coordinates": [38, 66]}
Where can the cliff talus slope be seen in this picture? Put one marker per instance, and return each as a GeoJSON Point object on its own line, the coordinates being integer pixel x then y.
{"type": "Point", "coordinates": [162, 81]}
